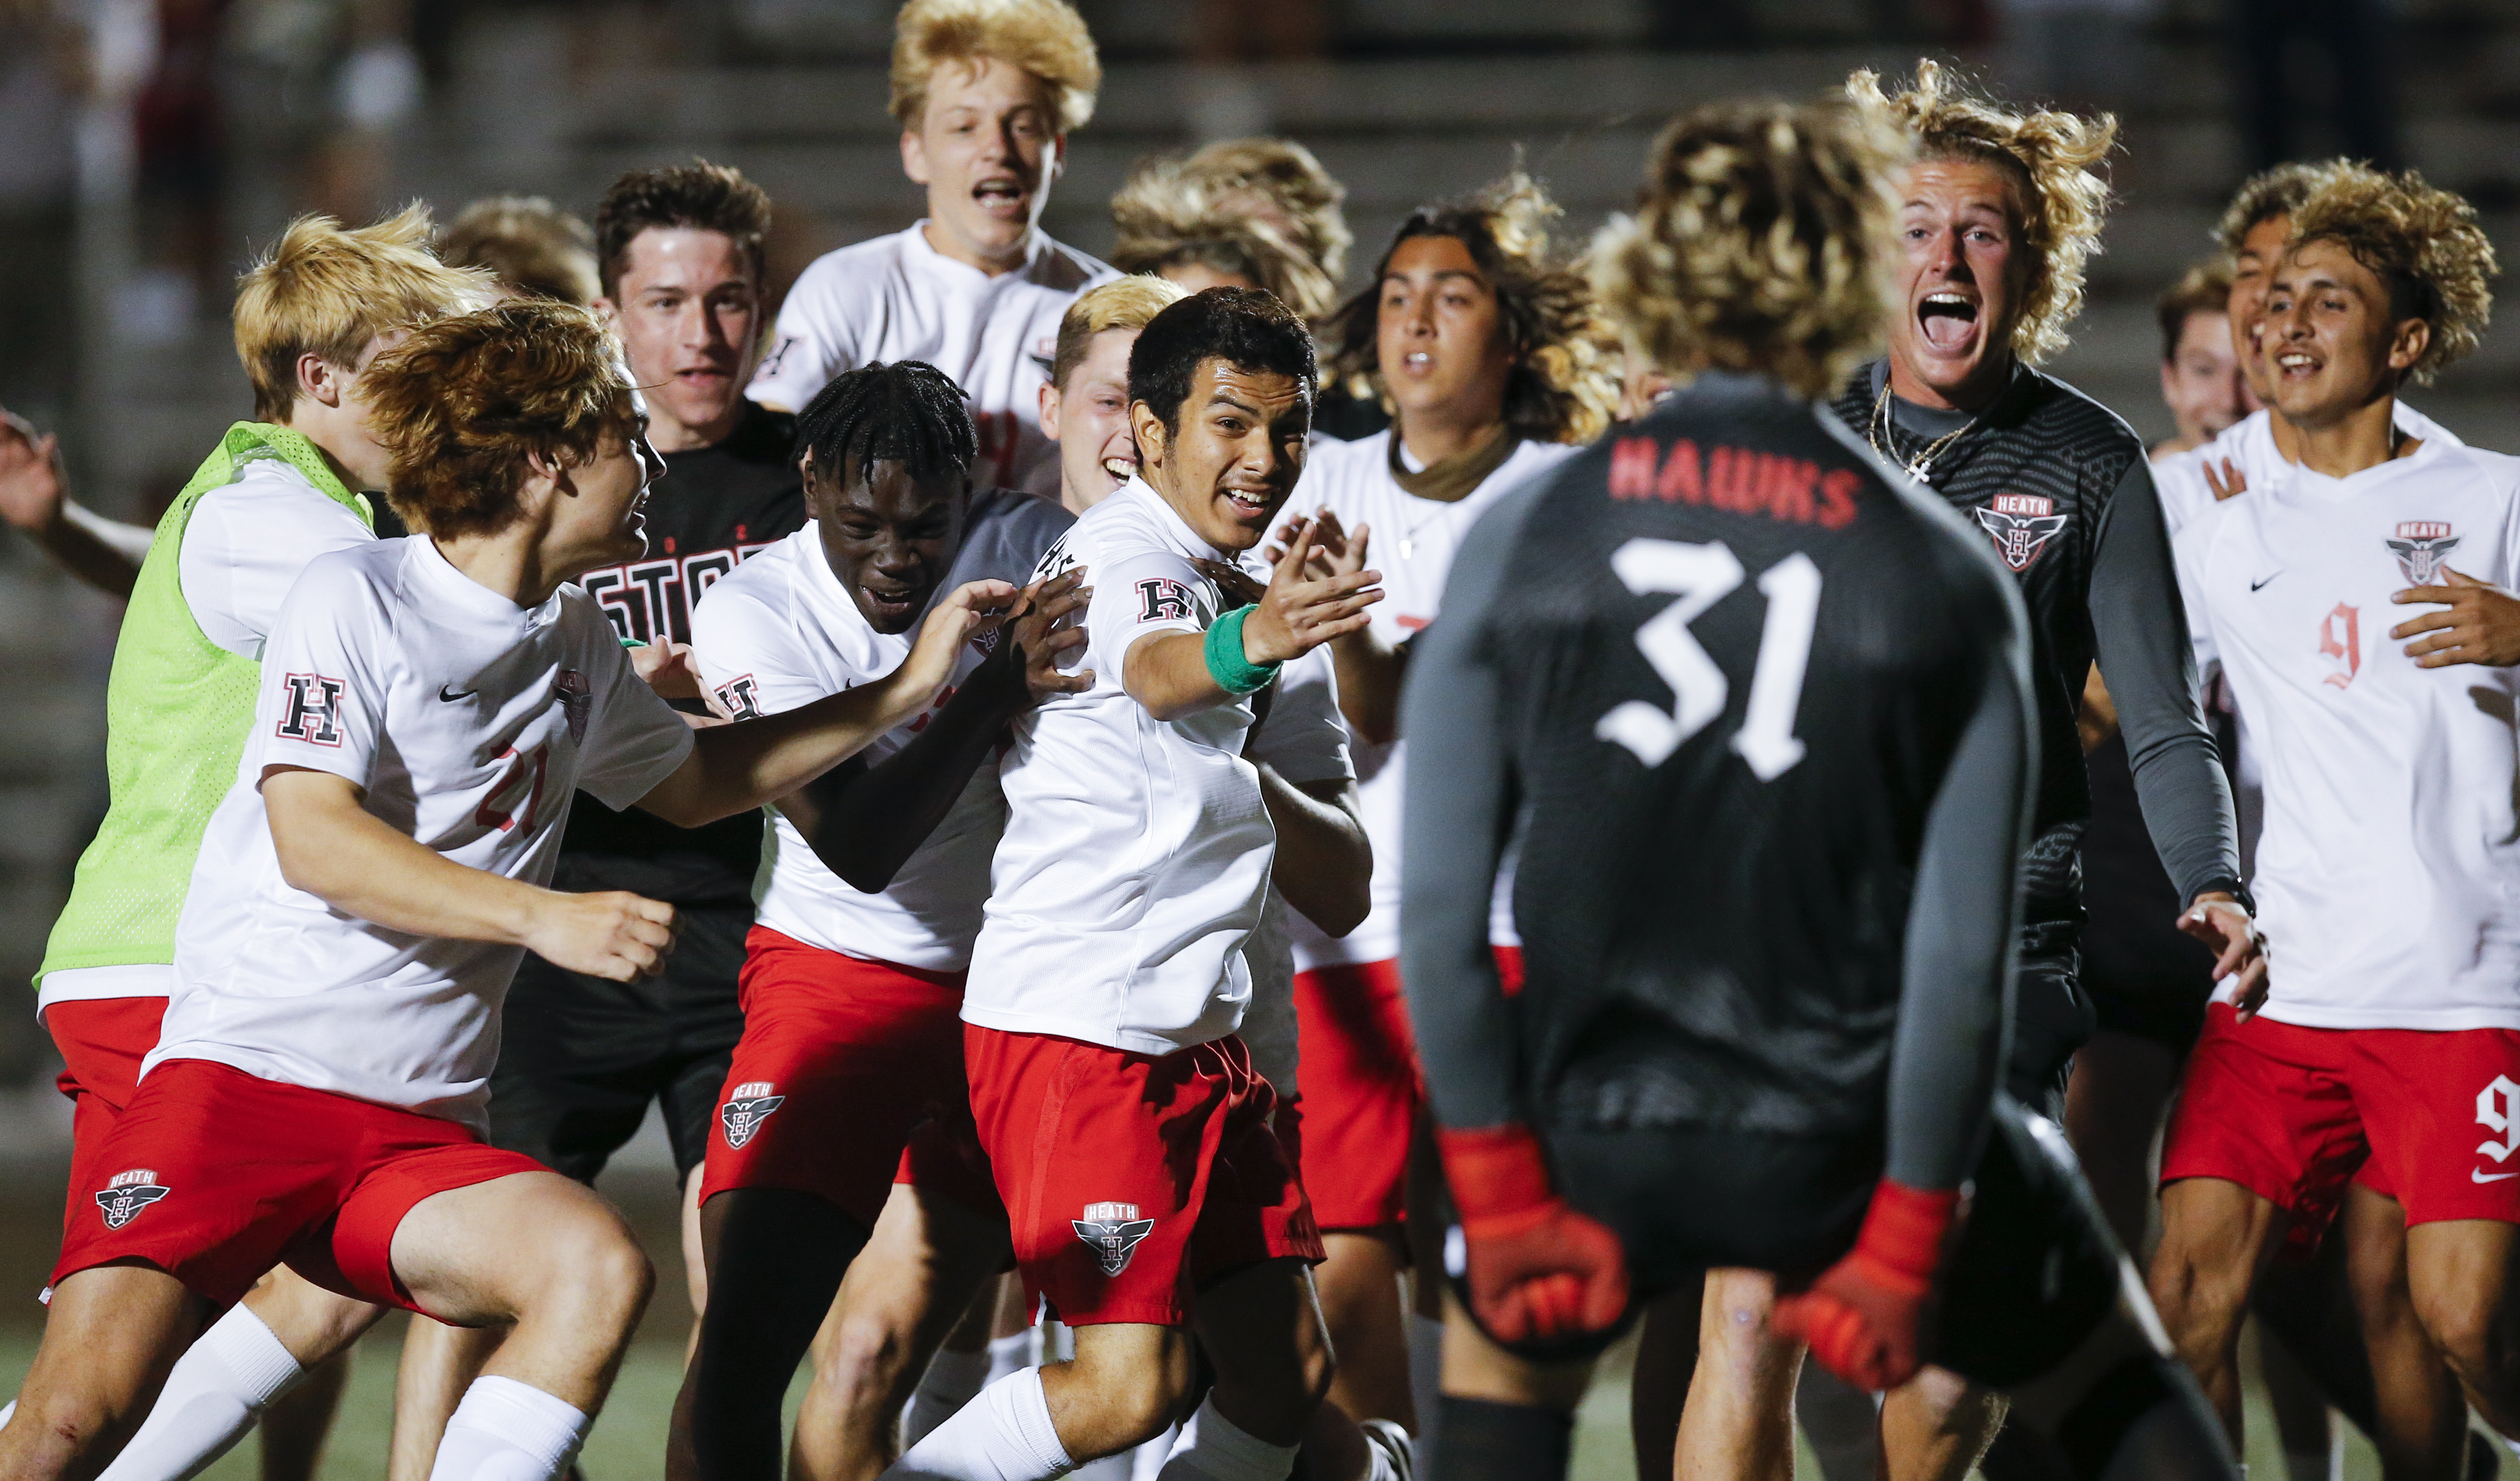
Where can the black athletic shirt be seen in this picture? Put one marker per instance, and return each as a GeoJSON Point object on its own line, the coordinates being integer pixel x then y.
{"type": "Point", "coordinates": [2057, 486]}
{"type": "Point", "coordinates": [1759, 711]}
{"type": "Point", "coordinates": [711, 508]}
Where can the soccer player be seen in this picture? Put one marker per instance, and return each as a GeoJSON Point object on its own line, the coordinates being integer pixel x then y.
{"type": "Point", "coordinates": [1085, 401]}
{"type": "Point", "coordinates": [852, 977]}
{"type": "Point", "coordinates": [531, 245]}
{"type": "Point", "coordinates": [2201, 382]}
{"type": "Point", "coordinates": [1173, 222]}
{"type": "Point", "coordinates": [986, 92]}
{"type": "Point", "coordinates": [1760, 715]}
{"type": "Point", "coordinates": [1124, 1126]}
{"type": "Point", "coordinates": [429, 706]}
{"type": "Point", "coordinates": [581, 1056]}
{"type": "Point", "coordinates": [1496, 368]}
{"type": "Point", "coordinates": [277, 492]}
{"type": "Point", "coordinates": [2391, 1034]}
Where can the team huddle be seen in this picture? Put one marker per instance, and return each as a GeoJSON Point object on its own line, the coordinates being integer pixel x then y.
{"type": "Point", "coordinates": [1216, 885]}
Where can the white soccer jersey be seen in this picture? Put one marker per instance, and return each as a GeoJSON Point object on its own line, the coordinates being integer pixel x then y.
{"type": "Point", "coordinates": [780, 631]}
{"type": "Point", "coordinates": [898, 299]}
{"type": "Point", "coordinates": [2388, 873]}
{"type": "Point", "coordinates": [1411, 542]}
{"type": "Point", "coordinates": [1303, 739]}
{"type": "Point", "coordinates": [1137, 849]}
{"type": "Point", "coordinates": [2249, 445]}
{"type": "Point", "coordinates": [469, 721]}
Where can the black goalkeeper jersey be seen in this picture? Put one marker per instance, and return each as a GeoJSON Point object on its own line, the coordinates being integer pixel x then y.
{"type": "Point", "coordinates": [1732, 665]}
{"type": "Point", "coordinates": [712, 507]}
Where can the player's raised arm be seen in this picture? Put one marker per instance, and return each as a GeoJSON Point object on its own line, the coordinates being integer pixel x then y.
{"type": "Point", "coordinates": [1173, 674]}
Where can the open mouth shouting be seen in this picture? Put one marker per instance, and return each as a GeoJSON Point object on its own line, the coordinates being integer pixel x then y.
{"type": "Point", "coordinates": [1002, 196]}
{"type": "Point", "coordinates": [1947, 318]}
{"type": "Point", "coordinates": [889, 604]}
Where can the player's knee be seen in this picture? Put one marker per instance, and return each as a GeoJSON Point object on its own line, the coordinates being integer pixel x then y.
{"type": "Point", "coordinates": [595, 1272]}
{"type": "Point", "coordinates": [861, 1351]}
{"type": "Point", "coordinates": [2199, 1302]}
{"type": "Point", "coordinates": [2472, 1337]}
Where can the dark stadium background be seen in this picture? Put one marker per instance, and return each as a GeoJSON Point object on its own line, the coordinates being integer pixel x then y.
{"type": "Point", "coordinates": [148, 147]}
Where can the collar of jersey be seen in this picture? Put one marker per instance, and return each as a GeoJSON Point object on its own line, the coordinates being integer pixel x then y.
{"type": "Point", "coordinates": [1173, 524]}
{"type": "Point", "coordinates": [926, 251]}
{"type": "Point", "coordinates": [431, 570]}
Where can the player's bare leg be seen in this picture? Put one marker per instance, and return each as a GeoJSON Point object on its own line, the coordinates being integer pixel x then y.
{"type": "Point", "coordinates": [2215, 1237]}
{"type": "Point", "coordinates": [2421, 1414]}
{"type": "Point", "coordinates": [297, 1424]}
{"type": "Point", "coordinates": [1360, 1292]}
{"type": "Point", "coordinates": [1500, 1412]}
{"type": "Point", "coordinates": [1738, 1424]}
{"type": "Point", "coordinates": [1666, 1361]}
{"type": "Point", "coordinates": [2113, 1107]}
{"type": "Point", "coordinates": [2458, 1271]}
{"type": "Point", "coordinates": [112, 1336]}
{"type": "Point", "coordinates": [927, 1260]}
{"type": "Point", "coordinates": [1936, 1425]}
{"type": "Point", "coordinates": [438, 1363]}
{"type": "Point", "coordinates": [695, 1259]}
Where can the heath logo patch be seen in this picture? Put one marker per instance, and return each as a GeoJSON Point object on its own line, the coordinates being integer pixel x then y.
{"type": "Point", "coordinates": [741, 698]}
{"type": "Point", "coordinates": [1162, 601]}
{"type": "Point", "coordinates": [1112, 1231]}
{"type": "Point", "coordinates": [2021, 525]}
{"type": "Point", "coordinates": [312, 711]}
{"type": "Point", "coordinates": [576, 701]}
{"type": "Point", "coordinates": [747, 1107]}
{"type": "Point", "coordinates": [2421, 546]}
{"type": "Point", "coordinates": [126, 1194]}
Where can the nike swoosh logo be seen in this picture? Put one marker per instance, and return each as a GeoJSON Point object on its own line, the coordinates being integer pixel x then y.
{"type": "Point", "coordinates": [447, 694]}
{"type": "Point", "coordinates": [2253, 586]}
{"type": "Point", "coordinates": [2486, 1176]}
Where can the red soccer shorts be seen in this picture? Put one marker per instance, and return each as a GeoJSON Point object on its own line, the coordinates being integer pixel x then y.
{"type": "Point", "coordinates": [217, 1176]}
{"type": "Point", "coordinates": [1131, 1181]}
{"type": "Point", "coordinates": [841, 1060]}
{"type": "Point", "coordinates": [2292, 1114]}
{"type": "Point", "coordinates": [102, 1041]}
{"type": "Point", "coordinates": [1361, 1088]}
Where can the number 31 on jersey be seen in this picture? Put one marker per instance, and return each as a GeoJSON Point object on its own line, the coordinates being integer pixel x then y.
{"type": "Point", "coordinates": [1697, 576]}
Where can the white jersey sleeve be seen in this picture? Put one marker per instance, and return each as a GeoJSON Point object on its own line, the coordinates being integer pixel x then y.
{"type": "Point", "coordinates": [816, 338]}
{"type": "Point", "coordinates": [329, 665]}
{"type": "Point", "coordinates": [245, 545]}
{"type": "Point", "coordinates": [752, 653]}
{"type": "Point", "coordinates": [636, 739]}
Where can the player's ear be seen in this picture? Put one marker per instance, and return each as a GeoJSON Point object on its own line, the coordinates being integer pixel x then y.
{"type": "Point", "coordinates": [914, 157]}
{"type": "Point", "coordinates": [1049, 411]}
{"type": "Point", "coordinates": [1148, 430]}
{"type": "Point", "coordinates": [2407, 344]}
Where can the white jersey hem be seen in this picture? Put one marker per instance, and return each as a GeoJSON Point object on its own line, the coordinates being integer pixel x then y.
{"type": "Point", "coordinates": [2440, 1020]}
{"type": "Point", "coordinates": [1056, 1026]}
{"type": "Point", "coordinates": [87, 984]}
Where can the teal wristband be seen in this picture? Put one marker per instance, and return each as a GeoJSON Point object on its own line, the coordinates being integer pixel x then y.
{"type": "Point", "coordinates": [1233, 672]}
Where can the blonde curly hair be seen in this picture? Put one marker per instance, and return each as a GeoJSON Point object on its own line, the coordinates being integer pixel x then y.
{"type": "Point", "coordinates": [1044, 37]}
{"type": "Point", "coordinates": [1169, 214]}
{"type": "Point", "coordinates": [2421, 240]}
{"type": "Point", "coordinates": [1281, 184]}
{"type": "Point", "coordinates": [1759, 243]}
{"type": "Point", "coordinates": [2050, 155]}
{"type": "Point", "coordinates": [2268, 194]}
{"type": "Point", "coordinates": [1565, 385]}
{"type": "Point", "coordinates": [460, 404]}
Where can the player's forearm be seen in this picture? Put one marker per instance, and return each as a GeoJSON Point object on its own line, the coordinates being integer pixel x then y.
{"type": "Point", "coordinates": [105, 554]}
{"type": "Point", "coordinates": [1324, 863]}
{"type": "Point", "coordinates": [1370, 675]}
{"type": "Point", "coordinates": [1168, 674]}
{"type": "Point", "coordinates": [335, 849]}
{"type": "Point", "coordinates": [872, 819]}
{"type": "Point", "coordinates": [1948, 1051]}
{"type": "Point", "coordinates": [2140, 628]}
{"type": "Point", "coordinates": [734, 767]}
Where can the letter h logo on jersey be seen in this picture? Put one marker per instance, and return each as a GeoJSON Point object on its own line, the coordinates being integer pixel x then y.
{"type": "Point", "coordinates": [1112, 1231]}
{"type": "Point", "coordinates": [1162, 601]}
{"type": "Point", "coordinates": [747, 1107]}
{"type": "Point", "coordinates": [312, 710]}
{"type": "Point", "coordinates": [126, 1194]}
{"type": "Point", "coordinates": [2021, 525]}
{"type": "Point", "coordinates": [2421, 546]}
{"type": "Point", "coordinates": [2498, 1110]}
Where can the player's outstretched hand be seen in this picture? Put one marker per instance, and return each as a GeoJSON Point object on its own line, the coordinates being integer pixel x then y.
{"type": "Point", "coordinates": [612, 934]}
{"type": "Point", "coordinates": [2239, 948]}
{"type": "Point", "coordinates": [670, 668]}
{"type": "Point", "coordinates": [1865, 1315]}
{"type": "Point", "coordinates": [1300, 611]}
{"type": "Point", "coordinates": [1333, 551]}
{"type": "Point", "coordinates": [31, 486]}
{"type": "Point", "coordinates": [2230, 485]}
{"type": "Point", "coordinates": [958, 616]}
{"type": "Point", "coordinates": [1042, 630]}
{"type": "Point", "coordinates": [1538, 1269]}
{"type": "Point", "coordinates": [2479, 623]}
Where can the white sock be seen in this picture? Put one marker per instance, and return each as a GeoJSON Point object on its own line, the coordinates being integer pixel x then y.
{"type": "Point", "coordinates": [1007, 1355]}
{"type": "Point", "coordinates": [1214, 1447]}
{"type": "Point", "coordinates": [1147, 1462]}
{"type": "Point", "coordinates": [211, 1398]}
{"type": "Point", "coordinates": [505, 1430]}
{"type": "Point", "coordinates": [1002, 1435]}
{"type": "Point", "coordinates": [951, 1380]}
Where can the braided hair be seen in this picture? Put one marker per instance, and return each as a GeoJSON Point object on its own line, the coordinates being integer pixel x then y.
{"type": "Point", "coordinates": [908, 411]}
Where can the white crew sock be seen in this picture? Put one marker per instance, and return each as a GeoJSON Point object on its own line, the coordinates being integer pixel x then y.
{"type": "Point", "coordinates": [1007, 1355]}
{"type": "Point", "coordinates": [6, 1410]}
{"type": "Point", "coordinates": [951, 1380]}
{"type": "Point", "coordinates": [1147, 1462]}
{"type": "Point", "coordinates": [211, 1398]}
{"type": "Point", "coordinates": [1213, 1448]}
{"type": "Point", "coordinates": [505, 1430]}
{"type": "Point", "coordinates": [1002, 1435]}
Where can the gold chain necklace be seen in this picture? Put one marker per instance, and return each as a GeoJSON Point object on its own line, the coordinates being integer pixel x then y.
{"type": "Point", "coordinates": [1879, 431]}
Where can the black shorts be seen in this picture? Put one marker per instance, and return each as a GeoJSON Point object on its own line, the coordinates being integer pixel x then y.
{"type": "Point", "coordinates": [2146, 976]}
{"type": "Point", "coordinates": [2052, 1016]}
{"type": "Point", "coordinates": [2035, 1271]}
{"type": "Point", "coordinates": [580, 1057]}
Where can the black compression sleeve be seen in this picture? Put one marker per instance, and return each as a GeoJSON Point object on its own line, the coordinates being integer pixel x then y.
{"type": "Point", "coordinates": [1456, 816]}
{"type": "Point", "coordinates": [874, 817]}
{"type": "Point", "coordinates": [2140, 627]}
{"type": "Point", "coordinates": [1950, 1042]}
